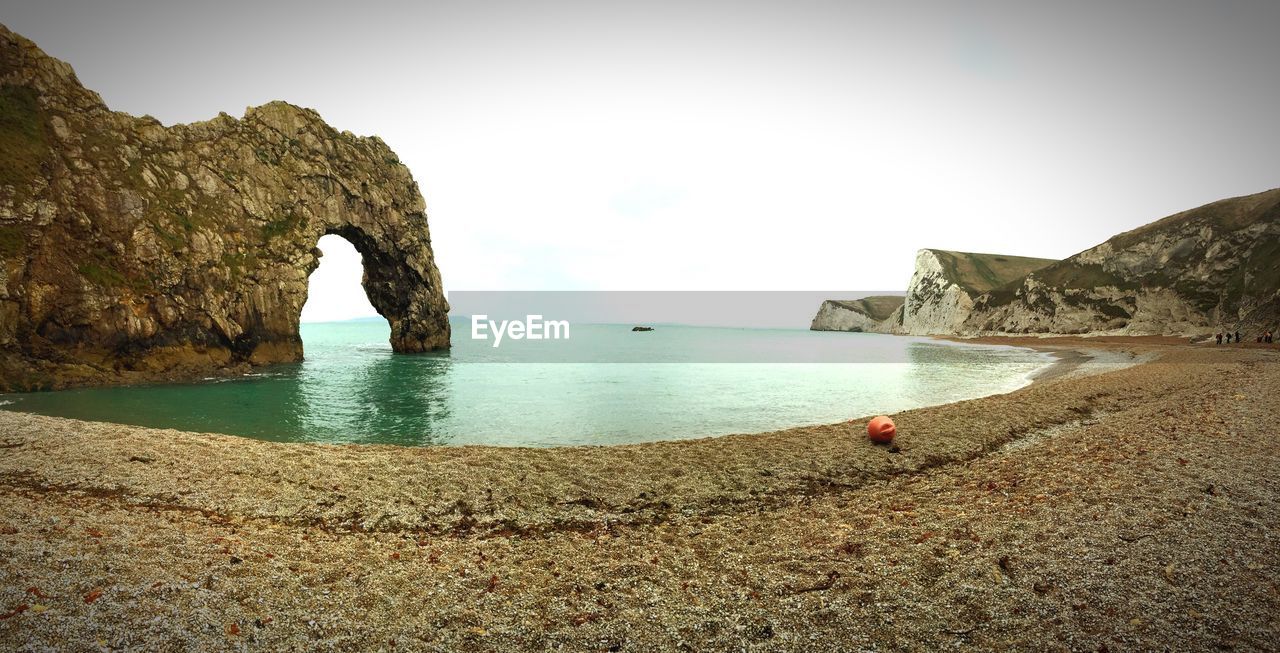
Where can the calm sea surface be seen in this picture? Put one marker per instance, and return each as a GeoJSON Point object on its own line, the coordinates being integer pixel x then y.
{"type": "Point", "coordinates": [351, 388]}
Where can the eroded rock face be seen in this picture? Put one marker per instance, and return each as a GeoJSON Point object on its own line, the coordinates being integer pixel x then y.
{"type": "Point", "coordinates": [1216, 267]}
{"type": "Point", "coordinates": [868, 314]}
{"type": "Point", "coordinates": [945, 286]}
{"type": "Point", "coordinates": [133, 251]}
{"type": "Point", "coordinates": [935, 303]}
{"type": "Point", "coordinates": [1211, 268]}
{"type": "Point", "coordinates": [835, 315]}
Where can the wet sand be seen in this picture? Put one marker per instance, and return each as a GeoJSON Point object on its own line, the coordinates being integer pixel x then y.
{"type": "Point", "coordinates": [1102, 507]}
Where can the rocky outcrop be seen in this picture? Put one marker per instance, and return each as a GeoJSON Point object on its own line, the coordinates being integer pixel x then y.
{"type": "Point", "coordinates": [1213, 267]}
{"type": "Point", "coordinates": [858, 315]}
{"type": "Point", "coordinates": [945, 286]}
{"type": "Point", "coordinates": [132, 251]}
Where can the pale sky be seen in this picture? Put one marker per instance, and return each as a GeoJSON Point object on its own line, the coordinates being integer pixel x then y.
{"type": "Point", "coordinates": [727, 145]}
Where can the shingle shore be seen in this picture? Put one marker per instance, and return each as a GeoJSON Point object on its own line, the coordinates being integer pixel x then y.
{"type": "Point", "coordinates": [1132, 509]}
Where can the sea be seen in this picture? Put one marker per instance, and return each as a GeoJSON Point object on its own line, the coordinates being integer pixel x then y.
{"type": "Point", "coordinates": [607, 385]}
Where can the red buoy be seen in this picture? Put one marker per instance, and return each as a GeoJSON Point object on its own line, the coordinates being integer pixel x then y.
{"type": "Point", "coordinates": [881, 430]}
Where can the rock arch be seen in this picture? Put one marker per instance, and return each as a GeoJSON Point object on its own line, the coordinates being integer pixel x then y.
{"type": "Point", "coordinates": [132, 251]}
{"type": "Point", "coordinates": [398, 288]}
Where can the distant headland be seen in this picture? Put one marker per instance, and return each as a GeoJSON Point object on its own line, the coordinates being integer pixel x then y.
{"type": "Point", "coordinates": [1189, 274]}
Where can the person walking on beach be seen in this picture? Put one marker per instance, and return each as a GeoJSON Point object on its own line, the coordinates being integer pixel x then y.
{"type": "Point", "coordinates": [1219, 337]}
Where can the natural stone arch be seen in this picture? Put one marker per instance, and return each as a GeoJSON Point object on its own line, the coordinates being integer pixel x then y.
{"type": "Point", "coordinates": [363, 195]}
{"type": "Point", "coordinates": [131, 251]}
{"type": "Point", "coordinates": [397, 289]}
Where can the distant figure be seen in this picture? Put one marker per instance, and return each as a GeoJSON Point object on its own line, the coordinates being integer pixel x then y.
{"type": "Point", "coordinates": [1219, 337]}
{"type": "Point", "coordinates": [1228, 337]}
{"type": "Point", "coordinates": [1237, 337]}
{"type": "Point", "coordinates": [1267, 337]}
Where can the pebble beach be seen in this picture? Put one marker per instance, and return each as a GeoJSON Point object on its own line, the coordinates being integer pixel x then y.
{"type": "Point", "coordinates": [1129, 499]}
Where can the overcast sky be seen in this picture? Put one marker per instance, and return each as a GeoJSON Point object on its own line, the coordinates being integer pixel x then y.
{"type": "Point", "coordinates": [727, 145]}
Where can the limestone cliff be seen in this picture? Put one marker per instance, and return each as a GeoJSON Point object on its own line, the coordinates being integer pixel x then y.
{"type": "Point", "coordinates": [945, 285]}
{"type": "Point", "coordinates": [132, 251]}
{"type": "Point", "coordinates": [1213, 267]}
{"type": "Point", "coordinates": [858, 315]}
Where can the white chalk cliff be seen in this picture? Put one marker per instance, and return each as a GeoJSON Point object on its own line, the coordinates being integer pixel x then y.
{"type": "Point", "coordinates": [1216, 267]}
{"type": "Point", "coordinates": [868, 314]}
{"type": "Point", "coordinates": [946, 285]}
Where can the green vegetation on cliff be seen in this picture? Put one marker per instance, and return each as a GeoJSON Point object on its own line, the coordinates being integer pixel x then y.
{"type": "Point", "coordinates": [100, 275]}
{"type": "Point", "coordinates": [979, 273]}
{"type": "Point", "coordinates": [24, 143]}
{"type": "Point", "coordinates": [1193, 271]}
{"type": "Point", "coordinates": [876, 307]}
{"type": "Point", "coordinates": [12, 240]}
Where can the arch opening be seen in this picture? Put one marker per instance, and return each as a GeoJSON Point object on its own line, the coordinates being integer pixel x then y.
{"type": "Point", "coordinates": [335, 291]}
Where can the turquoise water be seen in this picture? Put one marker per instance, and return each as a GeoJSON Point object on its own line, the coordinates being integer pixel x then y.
{"type": "Point", "coordinates": [351, 388]}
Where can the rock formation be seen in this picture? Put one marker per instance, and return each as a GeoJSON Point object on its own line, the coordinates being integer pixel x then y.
{"type": "Point", "coordinates": [1216, 266]}
{"type": "Point", "coordinates": [858, 315]}
{"type": "Point", "coordinates": [943, 290]}
{"type": "Point", "coordinates": [132, 251]}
